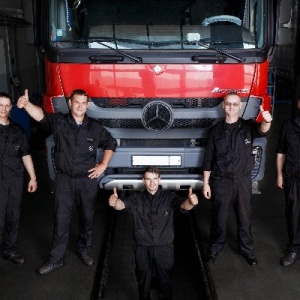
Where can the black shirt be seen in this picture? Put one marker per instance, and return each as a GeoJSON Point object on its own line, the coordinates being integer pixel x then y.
{"type": "Point", "coordinates": [76, 146]}
{"type": "Point", "coordinates": [153, 216]}
{"type": "Point", "coordinates": [289, 144]}
{"type": "Point", "coordinates": [13, 145]}
{"type": "Point", "coordinates": [229, 149]}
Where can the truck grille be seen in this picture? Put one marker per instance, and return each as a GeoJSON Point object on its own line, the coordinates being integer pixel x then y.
{"type": "Point", "coordinates": [156, 143]}
{"type": "Point", "coordinates": [137, 123]}
{"type": "Point", "coordinates": [141, 102]}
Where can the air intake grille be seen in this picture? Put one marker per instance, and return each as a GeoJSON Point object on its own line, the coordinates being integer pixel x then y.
{"type": "Point", "coordinates": [154, 143]}
{"type": "Point", "coordinates": [137, 123]}
{"type": "Point", "coordinates": [141, 102]}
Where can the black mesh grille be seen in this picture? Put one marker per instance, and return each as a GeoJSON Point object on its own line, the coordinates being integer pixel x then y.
{"type": "Point", "coordinates": [141, 102]}
{"type": "Point", "coordinates": [137, 123]}
{"type": "Point", "coordinates": [192, 123]}
{"type": "Point", "coordinates": [159, 143]}
{"type": "Point", "coordinates": [122, 123]}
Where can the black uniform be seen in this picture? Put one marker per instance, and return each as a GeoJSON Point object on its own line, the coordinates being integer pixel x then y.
{"type": "Point", "coordinates": [13, 146]}
{"type": "Point", "coordinates": [75, 154]}
{"type": "Point", "coordinates": [289, 145]}
{"type": "Point", "coordinates": [230, 159]}
{"type": "Point", "coordinates": [154, 234]}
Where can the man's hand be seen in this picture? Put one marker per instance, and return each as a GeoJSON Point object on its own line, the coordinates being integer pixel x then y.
{"type": "Point", "coordinates": [97, 171]}
{"type": "Point", "coordinates": [190, 201]}
{"type": "Point", "coordinates": [23, 100]}
{"type": "Point", "coordinates": [113, 198]}
{"type": "Point", "coordinates": [265, 114]}
{"type": "Point", "coordinates": [193, 199]}
{"type": "Point", "coordinates": [32, 186]}
{"type": "Point", "coordinates": [206, 191]}
{"type": "Point", "coordinates": [280, 182]}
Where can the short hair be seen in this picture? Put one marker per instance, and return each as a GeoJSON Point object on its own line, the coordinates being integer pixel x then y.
{"type": "Point", "coordinates": [231, 94]}
{"type": "Point", "coordinates": [151, 169]}
{"type": "Point", "coordinates": [5, 95]}
{"type": "Point", "coordinates": [78, 92]}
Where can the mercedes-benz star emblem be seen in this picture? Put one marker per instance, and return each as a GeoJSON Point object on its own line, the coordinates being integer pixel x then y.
{"type": "Point", "coordinates": [157, 116]}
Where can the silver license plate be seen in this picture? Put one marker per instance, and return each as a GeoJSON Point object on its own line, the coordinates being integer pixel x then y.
{"type": "Point", "coordinates": [157, 160]}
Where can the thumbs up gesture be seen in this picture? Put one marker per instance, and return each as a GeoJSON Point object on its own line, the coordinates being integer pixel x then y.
{"type": "Point", "coordinates": [265, 114]}
{"type": "Point", "coordinates": [193, 199]}
{"type": "Point", "coordinates": [113, 198]}
{"type": "Point", "coordinates": [23, 100]}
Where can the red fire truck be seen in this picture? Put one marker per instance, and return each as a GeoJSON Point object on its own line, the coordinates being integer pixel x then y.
{"type": "Point", "coordinates": [156, 73]}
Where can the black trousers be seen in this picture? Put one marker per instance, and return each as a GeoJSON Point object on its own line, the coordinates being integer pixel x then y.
{"type": "Point", "coordinates": [69, 191]}
{"type": "Point", "coordinates": [154, 260]}
{"type": "Point", "coordinates": [10, 209]}
{"type": "Point", "coordinates": [238, 193]}
{"type": "Point", "coordinates": [292, 212]}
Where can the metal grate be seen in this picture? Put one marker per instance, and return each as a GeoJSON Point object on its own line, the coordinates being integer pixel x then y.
{"type": "Point", "coordinates": [153, 143]}
{"type": "Point", "coordinates": [137, 123]}
{"type": "Point", "coordinates": [141, 102]}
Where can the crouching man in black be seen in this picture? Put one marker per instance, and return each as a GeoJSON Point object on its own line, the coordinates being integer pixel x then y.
{"type": "Point", "coordinates": [153, 211]}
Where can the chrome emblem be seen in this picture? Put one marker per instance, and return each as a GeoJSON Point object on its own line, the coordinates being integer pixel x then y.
{"type": "Point", "coordinates": [157, 116]}
{"type": "Point", "coordinates": [157, 69]}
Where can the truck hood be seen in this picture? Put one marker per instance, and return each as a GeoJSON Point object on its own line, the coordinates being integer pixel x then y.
{"type": "Point", "coordinates": [160, 80]}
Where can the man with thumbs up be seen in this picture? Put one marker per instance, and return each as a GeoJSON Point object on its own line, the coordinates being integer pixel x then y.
{"type": "Point", "coordinates": [227, 168]}
{"type": "Point", "coordinates": [153, 211]}
{"type": "Point", "coordinates": [14, 158]}
{"type": "Point", "coordinates": [77, 138]}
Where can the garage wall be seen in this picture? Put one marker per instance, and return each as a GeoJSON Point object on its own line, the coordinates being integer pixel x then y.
{"type": "Point", "coordinates": [18, 63]}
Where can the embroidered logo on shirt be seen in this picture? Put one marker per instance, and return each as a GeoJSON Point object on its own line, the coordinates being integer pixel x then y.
{"type": "Point", "coordinates": [247, 142]}
{"type": "Point", "coordinates": [17, 147]}
{"type": "Point", "coordinates": [91, 148]}
{"type": "Point", "coordinates": [166, 213]}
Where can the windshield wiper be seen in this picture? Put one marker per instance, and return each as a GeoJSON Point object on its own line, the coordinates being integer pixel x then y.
{"type": "Point", "coordinates": [194, 39]}
{"type": "Point", "coordinates": [237, 58]}
{"type": "Point", "coordinates": [133, 58]}
{"type": "Point", "coordinates": [109, 58]}
{"type": "Point", "coordinates": [102, 43]}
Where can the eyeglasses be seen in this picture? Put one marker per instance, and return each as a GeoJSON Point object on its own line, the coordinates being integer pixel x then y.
{"type": "Point", "coordinates": [231, 104]}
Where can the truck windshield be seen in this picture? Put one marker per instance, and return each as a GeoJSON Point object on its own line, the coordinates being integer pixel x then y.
{"type": "Point", "coordinates": [157, 24]}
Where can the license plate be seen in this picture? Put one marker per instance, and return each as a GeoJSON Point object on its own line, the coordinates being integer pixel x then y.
{"type": "Point", "coordinates": [165, 160]}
